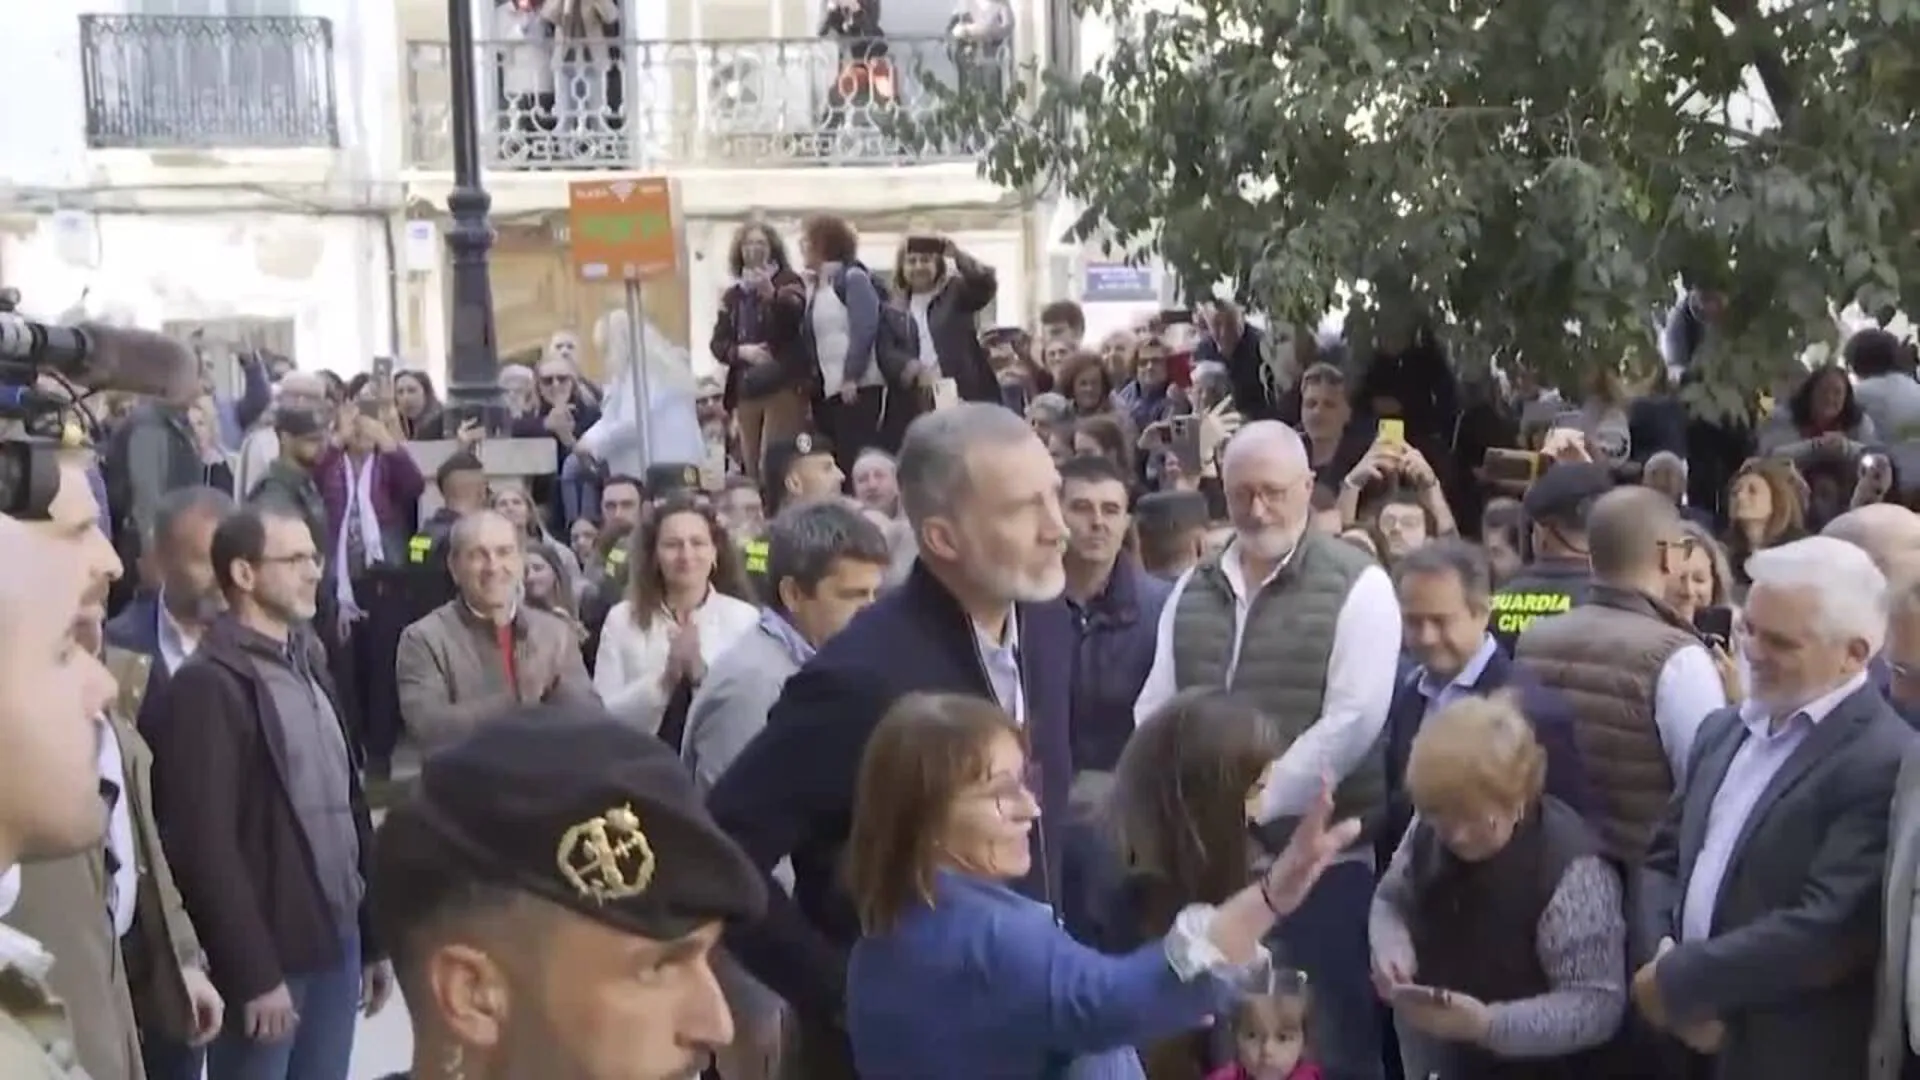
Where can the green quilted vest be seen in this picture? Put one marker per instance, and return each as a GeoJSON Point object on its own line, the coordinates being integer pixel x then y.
{"type": "Point", "coordinates": [1282, 665]}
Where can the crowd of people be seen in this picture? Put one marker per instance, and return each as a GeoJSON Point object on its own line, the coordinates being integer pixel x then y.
{"type": "Point", "coordinates": [1204, 701]}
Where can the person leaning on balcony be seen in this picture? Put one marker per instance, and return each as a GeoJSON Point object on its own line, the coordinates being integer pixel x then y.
{"type": "Point", "coordinates": [756, 337]}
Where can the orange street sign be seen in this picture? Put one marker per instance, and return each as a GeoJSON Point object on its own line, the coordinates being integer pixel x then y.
{"type": "Point", "coordinates": [622, 229]}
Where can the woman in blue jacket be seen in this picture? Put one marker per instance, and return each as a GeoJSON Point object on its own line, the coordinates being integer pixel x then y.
{"type": "Point", "coordinates": [957, 976]}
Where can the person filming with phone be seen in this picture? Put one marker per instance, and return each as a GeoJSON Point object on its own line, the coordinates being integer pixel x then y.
{"type": "Point", "coordinates": [1498, 930]}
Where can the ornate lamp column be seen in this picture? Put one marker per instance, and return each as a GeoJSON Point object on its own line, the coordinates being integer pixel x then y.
{"type": "Point", "coordinates": [474, 367]}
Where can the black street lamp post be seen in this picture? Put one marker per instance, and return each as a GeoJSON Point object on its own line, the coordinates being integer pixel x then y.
{"type": "Point", "coordinates": [474, 371]}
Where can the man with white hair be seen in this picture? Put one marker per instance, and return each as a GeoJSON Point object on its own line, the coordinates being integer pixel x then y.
{"type": "Point", "coordinates": [980, 613]}
{"type": "Point", "coordinates": [1762, 884]}
{"type": "Point", "coordinates": [1308, 629]}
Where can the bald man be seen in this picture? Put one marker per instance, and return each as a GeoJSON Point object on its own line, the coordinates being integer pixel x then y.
{"type": "Point", "coordinates": [1639, 679]}
{"type": "Point", "coordinates": [50, 692]}
{"type": "Point", "coordinates": [1307, 629]}
{"type": "Point", "coordinates": [1888, 533]}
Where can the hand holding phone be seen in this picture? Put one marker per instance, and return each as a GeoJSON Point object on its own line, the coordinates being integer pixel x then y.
{"type": "Point", "coordinates": [1715, 624]}
{"type": "Point", "coordinates": [1416, 995]}
{"type": "Point", "coordinates": [1391, 430]}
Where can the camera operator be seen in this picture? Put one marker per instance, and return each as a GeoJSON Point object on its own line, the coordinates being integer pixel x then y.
{"type": "Point", "coordinates": [51, 689]}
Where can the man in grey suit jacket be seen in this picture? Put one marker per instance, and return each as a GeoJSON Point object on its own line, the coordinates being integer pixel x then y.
{"type": "Point", "coordinates": [825, 561]}
{"type": "Point", "coordinates": [1759, 909]}
{"type": "Point", "coordinates": [1892, 1051]}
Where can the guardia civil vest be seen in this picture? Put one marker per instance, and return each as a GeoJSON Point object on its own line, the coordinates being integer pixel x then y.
{"type": "Point", "coordinates": [1546, 587]}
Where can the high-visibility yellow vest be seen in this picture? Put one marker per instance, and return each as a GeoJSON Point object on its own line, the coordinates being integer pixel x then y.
{"type": "Point", "coordinates": [419, 549]}
{"type": "Point", "coordinates": [756, 553]}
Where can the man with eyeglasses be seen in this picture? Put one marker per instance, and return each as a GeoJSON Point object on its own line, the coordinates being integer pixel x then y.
{"type": "Point", "coordinates": [258, 797]}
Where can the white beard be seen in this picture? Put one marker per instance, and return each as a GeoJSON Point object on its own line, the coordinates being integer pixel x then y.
{"type": "Point", "coordinates": [1023, 587]}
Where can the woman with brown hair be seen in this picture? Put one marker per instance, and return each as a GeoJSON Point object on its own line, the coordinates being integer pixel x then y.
{"type": "Point", "coordinates": [1104, 436]}
{"type": "Point", "coordinates": [686, 601]}
{"type": "Point", "coordinates": [945, 290]}
{"type": "Point", "coordinates": [756, 338]}
{"type": "Point", "coordinates": [958, 976]}
{"type": "Point", "coordinates": [1087, 386]}
{"type": "Point", "coordinates": [1766, 507]}
{"type": "Point", "coordinates": [1182, 795]}
{"type": "Point", "coordinates": [840, 329]}
{"type": "Point", "coordinates": [1699, 576]}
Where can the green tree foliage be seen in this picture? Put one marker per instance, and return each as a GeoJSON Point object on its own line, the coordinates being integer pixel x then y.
{"type": "Point", "coordinates": [1531, 175]}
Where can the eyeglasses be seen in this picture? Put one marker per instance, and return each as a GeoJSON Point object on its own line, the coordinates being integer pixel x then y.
{"type": "Point", "coordinates": [555, 380]}
{"type": "Point", "coordinates": [1014, 797]}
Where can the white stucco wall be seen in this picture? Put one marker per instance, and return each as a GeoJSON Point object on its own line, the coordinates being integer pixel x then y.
{"type": "Point", "coordinates": [328, 275]}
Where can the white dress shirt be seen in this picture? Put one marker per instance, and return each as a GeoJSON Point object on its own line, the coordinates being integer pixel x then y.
{"type": "Point", "coordinates": [1001, 659]}
{"type": "Point", "coordinates": [1754, 765]}
{"type": "Point", "coordinates": [627, 670]}
{"type": "Point", "coordinates": [1687, 692]}
{"type": "Point", "coordinates": [124, 888]}
{"type": "Point", "coordinates": [176, 644]}
{"type": "Point", "coordinates": [1360, 682]}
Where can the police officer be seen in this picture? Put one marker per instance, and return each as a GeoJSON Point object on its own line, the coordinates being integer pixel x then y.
{"type": "Point", "coordinates": [667, 480]}
{"type": "Point", "coordinates": [50, 692]}
{"type": "Point", "coordinates": [801, 467]}
{"type": "Point", "coordinates": [1555, 578]}
{"type": "Point", "coordinates": [462, 483]}
{"type": "Point", "coordinates": [552, 895]}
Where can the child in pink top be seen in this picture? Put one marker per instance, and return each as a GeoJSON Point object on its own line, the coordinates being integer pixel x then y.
{"type": "Point", "coordinates": [1270, 1038]}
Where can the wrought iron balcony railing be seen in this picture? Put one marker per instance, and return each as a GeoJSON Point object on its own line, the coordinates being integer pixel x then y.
{"type": "Point", "coordinates": [648, 104]}
{"type": "Point", "coordinates": [201, 82]}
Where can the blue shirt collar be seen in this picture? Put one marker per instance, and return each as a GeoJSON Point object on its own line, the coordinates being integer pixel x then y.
{"type": "Point", "coordinates": [1468, 677]}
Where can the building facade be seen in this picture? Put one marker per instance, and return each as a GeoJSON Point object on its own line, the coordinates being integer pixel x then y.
{"type": "Point", "coordinates": [208, 165]}
{"type": "Point", "coordinates": [275, 172]}
{"type": "Point", "coordinates": [743, 102]}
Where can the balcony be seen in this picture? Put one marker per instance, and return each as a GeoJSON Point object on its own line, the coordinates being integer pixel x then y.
{"type": "Point", "coordinates": [190, 82]}
{"type": "Point", "coordinates": [728, 104]}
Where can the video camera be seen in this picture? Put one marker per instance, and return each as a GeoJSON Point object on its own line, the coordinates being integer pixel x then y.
{"type": "Point", "coordinates": [47, 370]}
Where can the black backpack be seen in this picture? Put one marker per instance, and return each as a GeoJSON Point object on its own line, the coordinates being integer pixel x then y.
{"type": "Point", "coordinates": [897, 344]}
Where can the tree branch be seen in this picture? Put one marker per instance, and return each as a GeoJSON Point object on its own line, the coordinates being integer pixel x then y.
{"type": "Point", "coordinates": [1775, 78]}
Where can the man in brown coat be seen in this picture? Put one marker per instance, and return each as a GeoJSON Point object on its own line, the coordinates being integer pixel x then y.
{"type": "Point", "coordinates": [113, 907]}
{"type": "Point", "coordinates": [484, 652]}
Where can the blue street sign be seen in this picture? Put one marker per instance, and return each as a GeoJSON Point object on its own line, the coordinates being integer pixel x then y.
{"type": "Point", "coordinates": [1117, 283]}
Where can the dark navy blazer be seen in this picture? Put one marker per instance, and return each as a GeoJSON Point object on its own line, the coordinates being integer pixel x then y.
{"type": "Point", "coordinates": [790, 792]}
{"type": "Point", "coordinates": [137, 629]}
{"type": "Point", "coordinates": [1550, 713]}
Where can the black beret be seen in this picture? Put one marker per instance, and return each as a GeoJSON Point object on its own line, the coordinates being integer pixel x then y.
{"type": "Point", "coordinates": [568, 804]}
{"type": "Point", "coordinates": [664, 480]}
{"type": "Point", "coordinates": [1563, 493]}
{"type": "Point", "coordinates": [778, 458]}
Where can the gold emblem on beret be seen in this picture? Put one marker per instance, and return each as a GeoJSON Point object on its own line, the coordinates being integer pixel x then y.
{"type": "Point", "coordinates": [607, 858]}
{"type": "Point", "coordinates": [803, 443]}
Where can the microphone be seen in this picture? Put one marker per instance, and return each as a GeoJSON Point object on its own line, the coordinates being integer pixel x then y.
{"type": "Point", "coordinates": [135, 361]}
{"type": "Point", "coordinates": [102, 357]}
